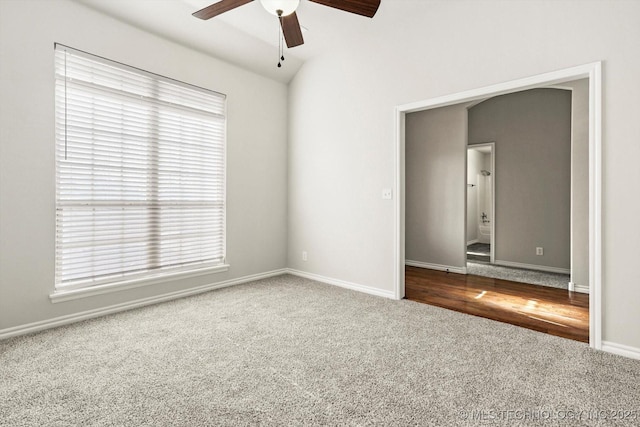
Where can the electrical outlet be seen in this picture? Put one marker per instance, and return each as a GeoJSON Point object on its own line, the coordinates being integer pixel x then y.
{"type": "Point", "coordinates": [387, 194]}
{"type": "Point", "coordinates": [304, 255]}
{"type": "Point", "coordinates": [539, 251]}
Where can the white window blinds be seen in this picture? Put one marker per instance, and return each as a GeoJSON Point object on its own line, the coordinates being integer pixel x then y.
{"type": "Point", "coordinates": [140, 173]}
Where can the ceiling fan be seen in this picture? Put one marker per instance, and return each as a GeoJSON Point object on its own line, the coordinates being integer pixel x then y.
{"type": "Point", "coordinates": [285, 10]}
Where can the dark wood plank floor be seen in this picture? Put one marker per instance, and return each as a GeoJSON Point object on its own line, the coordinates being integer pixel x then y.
{"type": "Point", "coordinates": [553, 311]}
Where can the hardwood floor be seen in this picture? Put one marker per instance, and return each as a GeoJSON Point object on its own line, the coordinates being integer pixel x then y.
{"type": "Point", "coordinates": [553, 311]}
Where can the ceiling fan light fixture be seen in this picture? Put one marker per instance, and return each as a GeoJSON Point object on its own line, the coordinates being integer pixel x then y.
{"type": "Point", "coordinates": [286, 6]}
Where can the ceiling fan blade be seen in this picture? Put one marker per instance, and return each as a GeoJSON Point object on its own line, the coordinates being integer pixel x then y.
{"type": "Point", "coordinates": [291, 30]}
{"type": "Point", "coordinates": [218, 8]}
{"type": "Point", "coordinates": [366, 8]}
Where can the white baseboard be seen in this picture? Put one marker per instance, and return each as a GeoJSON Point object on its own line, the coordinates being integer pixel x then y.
{"type": "Point", "coordinates": [580, 288]}
{"type": "Point", "coordinates": [440, 267]}
{"type": "Point", "coordinates": [471, 242]}
{"type": "Point", "coordinates": [89, 314]}
{"type": "Point", "coordinates": [533, 267]}
{"type": "Point", "coordinates": [343, 284]}
{"type": "Point", "coordinates": [621, 350]}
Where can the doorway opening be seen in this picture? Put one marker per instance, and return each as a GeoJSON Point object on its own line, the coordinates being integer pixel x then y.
{"type": "Point", "coordinates": [481, 203]}
{"type": "Point", "coordinates": [590, 71]}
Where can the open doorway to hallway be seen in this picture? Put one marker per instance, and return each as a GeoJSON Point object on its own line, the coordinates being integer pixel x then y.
{"type": "Point", "coordinates": [446, 244]}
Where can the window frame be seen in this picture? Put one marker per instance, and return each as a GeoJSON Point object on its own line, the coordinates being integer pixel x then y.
{"type": "Point", "coordinates": [152, 275]}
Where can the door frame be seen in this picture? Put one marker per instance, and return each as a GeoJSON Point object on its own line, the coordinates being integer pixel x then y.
{"type": "Point", "coordinates": [593, 72]}
{"type": "Point", "coordinates": [492, 145]}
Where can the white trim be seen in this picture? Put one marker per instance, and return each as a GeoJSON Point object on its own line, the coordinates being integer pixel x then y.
{"type": "Point", "coordinates": [532, 82]}
{"type": "Point", "coordinates": [533, 267]}
{"type": "Point", "coordinates": [476, 102]}
{"type": "Point", "coordinates": [580, 288]}
{"type": "Point", "coordinates": [399, 211]}
{"type": "Point", "coordinates": [90, 314]}
{"type": "Point", "coordinates": [471, 242]}
{"type": "Point", "coordinates": [439, 267]}
{"type": "Point", "coordinates": [492, 249]}
{"type": "Point", "coordinates": [343, 284]}
{"type": "Point", "coordinates": [621, 350]}
{"type": "Point", "coordinates": [595, 205]}
{"type": "Point", "coordinates": [569, 88]}
{"type": "Point", "coordinates": [571, 190]}
{"type": "Point", "coordinates": [62, 295]}
{"type": "Point", "coordinates": [594, 72]}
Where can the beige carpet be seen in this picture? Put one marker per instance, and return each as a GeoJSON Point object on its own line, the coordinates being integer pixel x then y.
{"type": "Point", "coordinates": [289, 351]}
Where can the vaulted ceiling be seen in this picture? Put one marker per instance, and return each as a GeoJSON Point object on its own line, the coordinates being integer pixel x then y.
{"type": "Point", "coordinates": [246, 36]}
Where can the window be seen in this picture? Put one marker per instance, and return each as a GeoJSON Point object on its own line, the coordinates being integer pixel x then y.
{"type": "Point", "coordinates": [140, 173]}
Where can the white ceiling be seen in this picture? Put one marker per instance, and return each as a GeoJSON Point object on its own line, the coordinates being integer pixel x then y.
{"type": "Point", "coordinates": [246, 36]}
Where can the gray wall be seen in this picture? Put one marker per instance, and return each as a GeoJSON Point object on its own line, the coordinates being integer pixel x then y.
{"type": "Point", "coordinates": [435, 182]}
{"type": "Point", "coordinates": [532, 133]}
{"type": "Point", "coordinates": [256, 153]}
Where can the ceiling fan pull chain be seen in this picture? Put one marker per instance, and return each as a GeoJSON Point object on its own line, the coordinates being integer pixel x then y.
{"type": "Point", "coordinates": [280, 39]}
{"type": "Point", "coordinates": [281, 48]}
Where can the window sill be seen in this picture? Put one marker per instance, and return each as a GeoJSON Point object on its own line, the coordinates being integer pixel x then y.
{"type": "Point", "coordinates": [72, 294]}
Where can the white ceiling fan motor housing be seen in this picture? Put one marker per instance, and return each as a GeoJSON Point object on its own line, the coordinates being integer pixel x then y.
{"type": "Point", "coordinates": [286, 6]}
